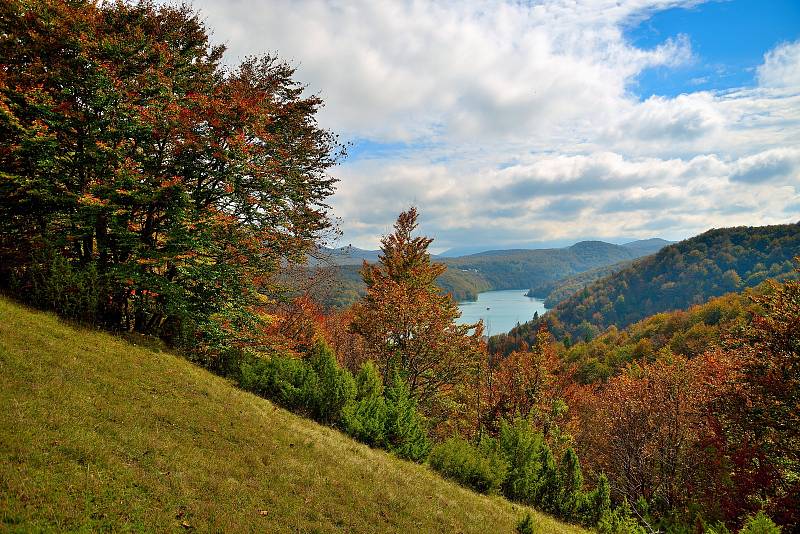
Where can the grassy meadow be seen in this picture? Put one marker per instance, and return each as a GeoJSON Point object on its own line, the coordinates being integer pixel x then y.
{"type": "Point", "coordinates": [97, 433]}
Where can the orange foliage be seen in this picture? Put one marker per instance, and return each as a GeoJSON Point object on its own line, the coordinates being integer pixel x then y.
{"type": "Point", "coordinates": [409, 327]}
{"type": "Point", "coordinates": [533, 384]}
{"type": "Point", "coordinates": [350, 347]}
{"type": "Point", "coordinates": [293, 327]}
{"type": "Point", "coordinates": [649, 429]}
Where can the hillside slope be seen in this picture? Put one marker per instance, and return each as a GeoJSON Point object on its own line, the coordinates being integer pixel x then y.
{"type": "Point", "coordinates": [557, 290]}
{"type": "Point", "coordinates": [97, 433]}
{"type": "Point", "coordinates": [680, 275]}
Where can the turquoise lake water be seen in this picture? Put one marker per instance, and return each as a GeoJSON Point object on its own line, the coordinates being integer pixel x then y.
{"type": "Point", "coordinates": [501, 310]}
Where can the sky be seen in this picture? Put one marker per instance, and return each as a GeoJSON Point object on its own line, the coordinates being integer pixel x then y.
{"type": "Point", "coordinates": [542, 123]}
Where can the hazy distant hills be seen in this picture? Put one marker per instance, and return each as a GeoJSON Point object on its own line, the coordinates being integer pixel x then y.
{"type": "Point", "coordinates": [467, 276]}
{"type": "Point", "coordinates": [647, 246]}
{"type": "Point", "coordinates": [679, 275]}
{"type": "Point", "coordinates": [351, 255]}
{"type": "Point", "coordinates": [652, 244]}
{"type": "Point", "coordinates": [516, 269]}
{"type": "Point", "coordinates": [348, 255]}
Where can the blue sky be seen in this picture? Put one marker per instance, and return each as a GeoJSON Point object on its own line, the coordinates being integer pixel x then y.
{"type": "Point", "coordinates": [546, 122]}
{"type": "Point", "coordinates": [728, 39]}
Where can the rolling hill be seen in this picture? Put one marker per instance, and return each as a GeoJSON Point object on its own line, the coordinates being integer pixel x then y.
{"type": "Point", "coordinates": [515, 269]}
{"type": "Point", "coordinates": [688, 333]}
{"type": "Point", "coordinates": [560, 289]}
{"type": "Point", "coordinates": [100, 434]}
{"type": "Point", "coordinates": [555, 291]}
{"type": "Point", "coordinates": [678, 276]}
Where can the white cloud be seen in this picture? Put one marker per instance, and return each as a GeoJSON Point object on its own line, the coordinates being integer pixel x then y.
{"type": "Point", "coordinates": [545, 198]}
{"type": "Point", "coordinates": [686, 117]}
{"type": "Point", "coordinates": [779, 164]}
{"type": "Point", "coordinates": [402, 70]}
{"type": "Point", "coordinates": [518, 119]}
{"type": "Point", "coordinates": [781, 67]}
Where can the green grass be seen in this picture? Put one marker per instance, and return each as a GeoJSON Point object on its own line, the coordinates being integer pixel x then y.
{"type": "Point", "coordinates": [99, 434]}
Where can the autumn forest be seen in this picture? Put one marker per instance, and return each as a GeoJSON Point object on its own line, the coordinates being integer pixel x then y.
{"type": "Point", "coordinates": [150, 190]}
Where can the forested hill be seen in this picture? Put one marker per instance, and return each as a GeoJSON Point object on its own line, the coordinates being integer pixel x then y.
{"type": "Point", "coordinates": [680, 275]}
{"type": "Point", "coordinates": [514, 269]}
{"type": "Point", "coordinates": [466, 276]}
{"type": "Point", "coordinates": [555, 291]}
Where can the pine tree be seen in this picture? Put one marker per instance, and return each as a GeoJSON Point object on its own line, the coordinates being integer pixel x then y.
{"type": "Point", "coordinates": [549, 483]}
{"type": "Point", "coordinates": [597, 502]}
{"type": "Point", "coordinates": [521, 447]}
{"type": "Point", "coordinates": [333, 388]}
{"type": "Point", "coordinates": [571, 486]}
{"type": "Point", "coordinates": [405, 432]}
{"type": "Point", "coordinates": [760, 524]}
{"type": "Point", "coordinates": [365, 418]}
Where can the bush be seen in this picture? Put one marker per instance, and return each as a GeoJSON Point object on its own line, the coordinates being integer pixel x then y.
{"type": "Point", "coordinates": [332, 387]}
{"type": "Point", "coordinates": [717, 528]}
{"type": "Point", "coordinates": [619, 521]}
{"type": "Point", "coordinates": [481, 468]}
{"type": "Point", "coordinates": [760, 524]}
{"type": "Point", "coordinates": [526, 525]}
{"type": "Point", "coordinates": [534, 478]}
{"type": "Point", "coordinates": [283, 379]}
{"type": "Point", "coordinates": [320, 387]}
{"type": "Point", "coordinates": [597, 502]}
{"type": "Point", "coordinates": [365, 417]}
{"type": "Point", "coordinates": [404, 432]}
{"type": "Point", "coordinates": [521, 447]}
{"type": "Point", "coordinates": [52, 282]}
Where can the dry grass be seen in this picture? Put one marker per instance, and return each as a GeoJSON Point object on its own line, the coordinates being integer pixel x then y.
{"type": "Point", "coordinates": [99, 434]}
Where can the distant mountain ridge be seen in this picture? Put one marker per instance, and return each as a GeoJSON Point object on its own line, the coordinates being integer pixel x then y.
{"type": "Point", "coordinates": [652, 244]}
{"type": "Point", "coordinates": [349, 255]}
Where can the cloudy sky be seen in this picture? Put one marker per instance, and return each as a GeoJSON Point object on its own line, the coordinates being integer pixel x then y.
{"type": "Point", "coordinates": [545, 122]}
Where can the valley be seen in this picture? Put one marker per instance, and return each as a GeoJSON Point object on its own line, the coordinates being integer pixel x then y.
{"type": "Point", "coordinates": [540, 270]}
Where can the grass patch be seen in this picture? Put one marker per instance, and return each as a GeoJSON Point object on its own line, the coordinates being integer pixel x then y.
{"type": "Point", "coordinates": [97, 433]}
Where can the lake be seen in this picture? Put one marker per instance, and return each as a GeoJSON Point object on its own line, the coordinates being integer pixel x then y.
{"type": "Point", "coordinates": [506, 308]}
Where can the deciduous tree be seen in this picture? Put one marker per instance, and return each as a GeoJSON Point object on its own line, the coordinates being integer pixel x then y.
{"type": "Point", "coordinates": [129, 151]}
{"type": "Point", "coordinates": [410, 327]}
